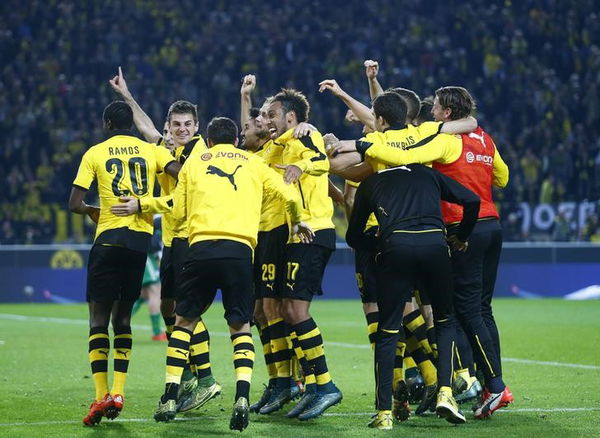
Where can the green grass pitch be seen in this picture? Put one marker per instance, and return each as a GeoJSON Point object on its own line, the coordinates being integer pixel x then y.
{"type": "Point", "coordinates": [47, 386]}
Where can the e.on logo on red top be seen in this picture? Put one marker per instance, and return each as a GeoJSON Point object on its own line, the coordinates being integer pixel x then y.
{"type": "Point", "coordinates": [485, 159]}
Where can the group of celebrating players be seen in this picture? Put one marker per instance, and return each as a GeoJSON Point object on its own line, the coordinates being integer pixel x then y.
{"type": "Point", "coordinates": [255, 221]}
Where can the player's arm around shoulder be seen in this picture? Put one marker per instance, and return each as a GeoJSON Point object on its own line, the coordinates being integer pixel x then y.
{"type": "Point", "coordinates": [311, 150]}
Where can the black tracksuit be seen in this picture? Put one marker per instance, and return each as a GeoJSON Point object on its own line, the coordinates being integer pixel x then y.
{"type": "Point", "coordinates": [412, 247]}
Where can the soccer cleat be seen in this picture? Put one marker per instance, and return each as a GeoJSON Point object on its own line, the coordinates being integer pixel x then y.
{"type": "Point", "coordinates": [189, 382]}
{"type": "Point", "coordinates": [279, 397]}
{"type": "Point", "coordinates": [264, 398]}
{"type": "Point", "coordinates": [428, 400]}
{"type": "Point", "coordinates": [472, 393]}
{"type": "Point", "coordinates": [166, 411]}
{"type": "Point", "coordinates": [447, 408]}
{"type": "Point", "coordinates": [401, 407]}
{"type": "Point", "coordinates": [382, 420]}
{"type": "Point", "coordinates": [416, 385]}
{"type": "Point", "coordinates": [459, 385]}
{"type": "Point", "coordinates": [114, 407]}
{"type": "Point", "coordinates": [302, 404]}
{"type": "Point", "coordinates": [198, 397]}
{"type": "Point", "coordinates": [96, 411]}
{"type": "Point", "coordinates": [160, 337]}
{"type": "Point", "coordinates": [239, 416]}
{"type": "Point", "coordinates": [491, 402]}
{"type": "Point", "coordinates": [320, 403]}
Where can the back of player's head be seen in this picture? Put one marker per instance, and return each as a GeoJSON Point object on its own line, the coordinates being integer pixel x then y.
{"type": "Point", "coordinates": [293, 100]}
{"type": "Point", "coordinates": [391, 107]}
{"type": "Point", "coordinates": [413, 103]}
{"type": "Point", "coordinates": [456, 99]}
{"type": "Point", "coordinates": [118, 115]}
{"type": "Point", "coordinates": [222, 130]}
{"type": "Point", "coordinates": [425, 112]}
{"type": "Point", "coordinates": [183, 107]}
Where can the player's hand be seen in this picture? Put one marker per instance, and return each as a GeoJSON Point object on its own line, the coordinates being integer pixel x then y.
{"type": "Point", "coordinates": [331, 141]}
{"type": "Point", "coordinates": [350, 117]}
{"type": "Point", "coordinates": [248, 85]}
{"type": "Point", "coordinates": [337, 195]}
{"type": "Point", "coordinates": [303, 129]}
{"type": "Point", "coordinates": [371, 69]}
{"type": "Point", "coordinates": [292, 173]}
{"type": "Point", "coordinates": [119, 85]}
{"type": "Point", "coordinates": [128, 206]}
{"type": "Point", "coordinates": [93, 213]}
{"type": "Point", "coordinates": [304, 232]}
{"type": "Point", "coordinates": [331, 85]}
{"type": "Point", "coordinates": [456, 244]}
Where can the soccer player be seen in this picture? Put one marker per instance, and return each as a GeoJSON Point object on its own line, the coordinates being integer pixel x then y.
{"type": "Point", "coordinates": [199, 385]}
{"type": "Point", "coordinates": [412, 247]}
{"type": "Point", "coordinates": [306, 167]}
{"type": "Point", "coordinates": [479, 167]}
{"type": "Point", "coordinates": [269, 272]}
{"type": "Point", "coordinates": [122, 165]}
{"type": "Point", "coordinates": [213, 188]}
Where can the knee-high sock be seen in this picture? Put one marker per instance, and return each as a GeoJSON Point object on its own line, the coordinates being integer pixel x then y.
{"type": "Point", "coordinates": [200, 351]}
{"type": "Point", "coordinates": [265, 340]}
{"type": "Point", "coordinates": [311, 342]}
{"type": "Point", "coordinates": [169, 325]}
{"type": "Point", "coordinates": [122, 344]}
{"type": "Point", "coordinates": [281, 353]}
{"type": "Point", "coordinates": [415, 323]}
{"type": "Point", "coordinates": [98, 349]}
{"type": "Point", "coordinates": [310, 381]}
{"type": "Point", "coordinates": [426, 366]}
{"type": "Point", "coordinates": [243, 362]}
{"type": "Point", "coordinates": [399, 361]}
{"type": "Point", "coordinates": [372, 324]}
{"type": "Point", "coordinates": [177, 356]}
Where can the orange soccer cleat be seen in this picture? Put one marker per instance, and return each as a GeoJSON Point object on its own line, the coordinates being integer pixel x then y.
{"type": "Point", "coordinates": [96, 411]}
{"type": "Point", "coordinates": [113, 409]}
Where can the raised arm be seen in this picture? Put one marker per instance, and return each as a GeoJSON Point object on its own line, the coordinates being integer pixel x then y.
{"type": "Point", "coordinates": [371, 70]}
{"type": "Point", "coordinates": [142, 122]}
{"type": "Point", "coordinates": [362, 112]}
{"type": "Point", "coordinates": [248, 85]}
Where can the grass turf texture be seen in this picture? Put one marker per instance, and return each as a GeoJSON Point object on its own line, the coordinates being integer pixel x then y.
{"type": "Point", "coordinates": [47, 385]}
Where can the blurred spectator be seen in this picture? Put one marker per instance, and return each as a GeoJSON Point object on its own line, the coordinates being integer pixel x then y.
{"type": "Point", "coordinates": [532, 65]}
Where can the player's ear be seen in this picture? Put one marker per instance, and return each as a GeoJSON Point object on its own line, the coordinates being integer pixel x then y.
{"type": "Point", "coordinates": [235, 143]}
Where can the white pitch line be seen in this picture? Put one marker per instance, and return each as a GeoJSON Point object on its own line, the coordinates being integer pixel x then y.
{"type": "Point", "coordinates": [25, 318]}
{"type": "Point", "coordinates": [330, 414]}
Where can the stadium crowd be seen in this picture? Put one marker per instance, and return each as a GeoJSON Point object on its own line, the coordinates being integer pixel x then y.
{"type": "Point", "coordinates": [533, 68]}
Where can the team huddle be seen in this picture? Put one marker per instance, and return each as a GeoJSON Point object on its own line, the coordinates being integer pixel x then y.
{"type": "Point", "coordinates": [255, 220]}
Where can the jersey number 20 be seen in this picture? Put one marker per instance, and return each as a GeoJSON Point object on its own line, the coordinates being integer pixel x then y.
{"type": "Point", "coordinates": [138, 174]}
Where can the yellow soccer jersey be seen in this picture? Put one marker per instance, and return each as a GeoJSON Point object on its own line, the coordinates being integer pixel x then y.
{"type": "Point", "coordinates": [273, 212]}
{"type": "Point", "coordinates": [308, 153]}
{"type": "Point", "coordinates": [170, 226]}
{"type": "Point", "coordinates": [123, 165]}
{"type": "Point", "coordinates": [423, 144]}
{"type": "Point", "coordinates": [219, 193]}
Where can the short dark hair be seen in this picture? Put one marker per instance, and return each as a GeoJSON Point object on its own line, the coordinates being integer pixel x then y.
{"type": "Point", "coordinates": [119, 114]}
{"type": "Point", "coordinates": [413, 102]}
{"type": "Point", "coordinates": [293, 100]}
{"type": "Point", "coordinates": [222, 130]}
{"type": "Point", "coordinates": [183, 107]}
{"type": "Point", "coordinates": [254, 113]}
{"type": "Point", "coordinates": [391, 107]}
{"type": "Point", "coordinates": [457, 99]}
{"type": "Point", "coordinates": [425, 113]}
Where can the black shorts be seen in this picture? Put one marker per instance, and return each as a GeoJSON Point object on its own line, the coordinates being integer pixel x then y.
{"type": "Point", "coordinates": [364, 264]}
{"type": "Point", "coordinates": [201, 277]}
{"type": "Point", "coordinates": [171, 266]}
{"type": "Point", "coordinates": [269, 262]}
{"type": "Point", "coordinates": [305, 266]}
{"type": "Point", "coordinates": [114, 273]}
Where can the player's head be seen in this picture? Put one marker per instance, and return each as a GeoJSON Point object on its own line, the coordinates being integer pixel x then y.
{"type": "Point", "coordinates": [168, 137]}
{"type": "Point", "coordinates": [222, 130]}
{"type": "Point", "coordinates": [117, 115]}
{"type": "Point", "coordinates": [287, 109]}
{"type": "Point", "coordinates": [389, 110]}
{"type": "Point", "coordinates": [413, 103]}
{"type": "Point", "coordinates": [183, 121]}
{"type": "Point", "coordinates": [452, 103]}
{"type": "Point", "coordinates": [254, 132]}
{"type": "Point", "coordinates": [425, 113]}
